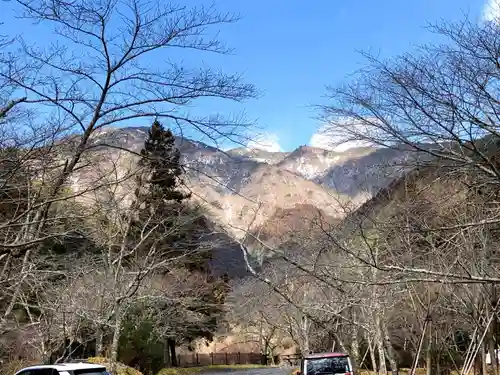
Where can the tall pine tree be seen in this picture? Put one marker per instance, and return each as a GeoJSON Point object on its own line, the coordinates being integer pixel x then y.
{"type": "Point", "coordinates": [162, 158]}
{"type": "Point", "coordinates": [162, 203]}
{"type": "Point", "coordinates": [181, 235]}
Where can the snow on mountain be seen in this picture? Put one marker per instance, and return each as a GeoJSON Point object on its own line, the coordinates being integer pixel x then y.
{"type": "Point", "coordinates": [261, 156]}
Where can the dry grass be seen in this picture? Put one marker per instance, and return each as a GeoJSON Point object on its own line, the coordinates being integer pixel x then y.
{"type": "Point", "coordinates": [200, 370]}
{"type": "Point", "coordinates": [12, 367]}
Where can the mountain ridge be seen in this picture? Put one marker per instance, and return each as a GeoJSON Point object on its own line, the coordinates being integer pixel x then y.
{"type": "Point", "coordinates": [242, 187]}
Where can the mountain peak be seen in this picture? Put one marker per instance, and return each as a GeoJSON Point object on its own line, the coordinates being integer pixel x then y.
{"type": "Point", "coordinates": [258, 155]}
{"type": "Point", "coordinates": [310, 149]}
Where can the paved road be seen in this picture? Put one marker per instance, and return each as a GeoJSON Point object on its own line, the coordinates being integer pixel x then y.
{"type": "Point", "coordinates": [253, 371]}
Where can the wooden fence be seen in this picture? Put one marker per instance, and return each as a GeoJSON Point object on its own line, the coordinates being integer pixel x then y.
{"type": "Point", "coordinates": [198, 359]}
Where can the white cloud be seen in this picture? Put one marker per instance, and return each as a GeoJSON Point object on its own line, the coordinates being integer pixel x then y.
{"type": "Point", "coordinates": [491, 11]}
{"type": "Point", "coordinates": [321, 139]}
{"type": "Point", "coordinates": [266, 142]}
{"type": "Point", "coordinates": [339, 139]}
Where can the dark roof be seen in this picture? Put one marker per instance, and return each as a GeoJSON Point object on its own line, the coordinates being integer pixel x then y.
{"type": "Point", "coordinates": [325, 355]}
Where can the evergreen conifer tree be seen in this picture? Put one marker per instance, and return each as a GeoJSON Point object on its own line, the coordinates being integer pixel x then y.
{"type": "Point", "coordinates": [161, 202]}
{"type": "Point", "coordinates": [162, 158]}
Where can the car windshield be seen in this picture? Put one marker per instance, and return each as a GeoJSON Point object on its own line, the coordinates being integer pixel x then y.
{"type": "Point", "coordinates": [330, 365]}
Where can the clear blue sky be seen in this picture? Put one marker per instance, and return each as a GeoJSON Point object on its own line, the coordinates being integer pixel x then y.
{"type": "Point", "coordinates": [291, 49]}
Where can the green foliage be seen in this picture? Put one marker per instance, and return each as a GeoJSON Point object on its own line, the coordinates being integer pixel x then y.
{"type": "Point", "coordinates": [178, 226]}
{"type": "Point", "coordinates": [162, 158]}
{"type": "Point", "coordinates": [139, 345]}
{"type": "Point", "coordinates": [178, 231]}
{"type": "Point", "coordinates": [198, 311]}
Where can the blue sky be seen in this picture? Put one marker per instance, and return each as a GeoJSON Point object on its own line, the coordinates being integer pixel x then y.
{"type": "Point", "coordinates": [291, 49]}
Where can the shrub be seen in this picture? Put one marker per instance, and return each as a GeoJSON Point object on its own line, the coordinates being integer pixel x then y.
{"type": "Point", "coordinates": [121, 369]}
{"type": "Point", "coordinates": [10, 368]}
{"type": "Point", "coordinates": [179, 371]}
{"type": "Point", "coordinates": [168, 371]}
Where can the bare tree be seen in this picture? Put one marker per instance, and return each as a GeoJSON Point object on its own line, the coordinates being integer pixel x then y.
{"type": "Point", "coordinates": [255, 312]}
{"type": "Point", "coordinates": [436, 224]}
{"type": "Point", "coordinates": [96, 72]}
{"type": "Point", "coordinates": [440, 102]}
{"type": "Point", "coordinates": [439, 106]}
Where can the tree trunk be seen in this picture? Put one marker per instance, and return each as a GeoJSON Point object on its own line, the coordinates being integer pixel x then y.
{"type": "Point", "coordinates": [167, 361]}
{"type": "Point", "coordinates": [482, 355]}
{"type": "Point", "coordinates": [173, 354]}
{"type": "Point", "coordinates": [381, 356]}
{"type": "Point", "coordinates": [354, 340]}
{"type": "Point", "coordinates": [6, 265]}
{"type": "Point", "coordinates": [379, 339]}
{"type": "Point", "coordinates": [375, 302]}
{"type": "Point", "coordinates": [116, 338]}
{"type": "Point", "coordinates": [391, 355]}
{"type": "Point", "coordinates": [493, 356]}
{"type": "Point", "coordinates": [437, 357]}
{"type": "Point", "coordinates": [373, 358]}
{"type": "Point", "coordinates": [475, 313]}
{"type": "Point", "coordinates": [428, 350]}
{"type": "Point", "coordinates": [305, 334]}
{"type": "Point", "coordinates": [266, 350]}
{"type": "Point", "coordinates": [17, 290]}
{"type": "Point", "coordinates": [261, 333]}
{"type": "Point", "coordinates": [492, 336]}
{"type": "Point", "coordinates": [355, 347]}
{"type": "Point", "coordinates": [428, 361]}
{"type": "Point", "coordinates": [341, 344]}
{"type": "Point", "coordinates": [99, 341]}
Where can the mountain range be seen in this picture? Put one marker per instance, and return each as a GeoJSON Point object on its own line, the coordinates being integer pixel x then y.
{"type": "Point", "coordinates": [243, 188]}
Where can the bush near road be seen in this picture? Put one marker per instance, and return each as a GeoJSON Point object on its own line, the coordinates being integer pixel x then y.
{"type": "Point", "coordinates": [121, 369]}
{"type": "Point", "coordinates": [10, 368]}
